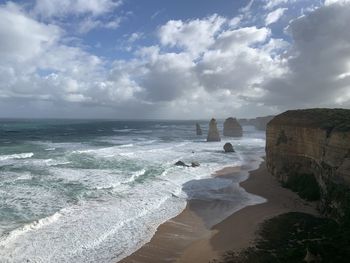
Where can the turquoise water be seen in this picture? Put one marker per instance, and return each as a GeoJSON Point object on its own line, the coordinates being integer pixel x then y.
{"type": "Point", "coordinates": [95, 191]}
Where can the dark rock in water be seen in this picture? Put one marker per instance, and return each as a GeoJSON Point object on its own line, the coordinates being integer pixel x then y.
{"type": "Point", "coordinates": [228, 147]}
{"type": "Point", "coordinates": [213, 133]}
{"type": "Point", "coordinates": [232, 128]}
{"type": "Point", "coordinates": [195, 164]}
{"type": "Point", "coordinates": [181, 163]}
{"type": "Point", "coordinates": [198, 129]}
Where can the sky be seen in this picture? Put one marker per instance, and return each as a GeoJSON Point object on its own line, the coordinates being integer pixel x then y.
{"type": "Point", "coordinates": [164, 59]}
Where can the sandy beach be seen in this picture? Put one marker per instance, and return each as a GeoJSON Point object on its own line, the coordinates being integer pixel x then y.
{"type": "Point", "coordinates": [187, 238]}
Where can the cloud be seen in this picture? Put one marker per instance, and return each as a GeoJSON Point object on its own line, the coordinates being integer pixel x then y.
{"type": "Point", "coordinates": [318, 65]}
{"type": "Point", "coordinates": [36, 65]}
{"type": "Point", "coordinates": [247, 8]}
{"type": "Point", "coordinates": [57, 8]}
{"type": "Point", "coordinates": [235, 64]}
{"type": "Point", "coordinates": [211, 60]}
{"type": "Point", "coordinates": [168, 77]}
{"type": "Point", "coordinates": [194, 36]}
{"type": "Point", "coordinates": [91, 23]}
{"type": "Point", "coordinates": [23, 38]}
{"type": "Point", "coordinates": [195, 68]}
{"type": "Point", "coordinates": [271, 4]}
{"type": "Point", "coordinates": [330, 2]}
{"type": "Point", "coordinates": [135, 36]}
{"type": "Point", "coordinates": [274, 16]}
{"type": "Point", "coordinates": [82, 15]}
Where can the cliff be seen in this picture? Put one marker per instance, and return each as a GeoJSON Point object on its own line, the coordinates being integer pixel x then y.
{"type": "Point", "coordinates": [259, 123]}
{"type": "Point", "coordinates": [232, 128]}
{"type": "Point", "coordinates": [313, 143]}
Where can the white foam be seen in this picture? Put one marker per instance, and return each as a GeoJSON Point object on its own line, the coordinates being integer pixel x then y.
{"type": "Point", "coordinates": [123, 130]}
{"type": "Point", "coordinates": [16, 156]}
{"type": "Point", "coordinates": [50, 149]}
{"type": "Point", "coordinates": [35, 225]}
{"type": "Point", "coordinates": [94, 231]}
{"type": "Point", "coordinates": [127, 211]}
{"type": "Point", "coordinates": [136, 175]}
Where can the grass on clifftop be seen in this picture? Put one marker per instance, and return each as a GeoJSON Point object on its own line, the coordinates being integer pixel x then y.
{"type": "Point", "coordinates": [286, 238]}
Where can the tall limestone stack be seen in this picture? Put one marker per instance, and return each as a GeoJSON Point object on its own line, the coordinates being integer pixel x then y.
{"type": "Point", "coordinates": [198, 129]}
{"type": "Point", "coordinates": [213, 133]}
{"type": "Point", "coordinates": [312, 142]}
{"type": "Point", "coordinates": [232, 128]}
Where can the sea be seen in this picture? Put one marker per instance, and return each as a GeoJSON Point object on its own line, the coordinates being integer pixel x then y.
{"type": "Point", "coordinates": [96, 190]}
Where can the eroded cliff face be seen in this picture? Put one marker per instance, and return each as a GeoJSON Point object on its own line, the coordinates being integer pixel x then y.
{"type": "Point", "coordinates": [315, 141]}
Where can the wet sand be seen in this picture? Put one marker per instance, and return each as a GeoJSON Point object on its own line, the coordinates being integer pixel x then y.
{"type": "Point", "coordinates": [187, 238]}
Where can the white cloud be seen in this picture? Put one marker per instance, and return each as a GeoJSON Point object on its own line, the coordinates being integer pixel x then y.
{"type": "Point", "coordinates": [35, 65]}
{"type": "Point", "coordinates": [135, 36]}
{"type": "Point", "coordinates": [194, 35]}
{"type": "Point", "coordinates": [91, 23]}
{"type": "Point", "coordinates": [271, 4]}
{"type": "Point", "coordinates": [22, 38]}
{"type": "Point", "coordinates": [274, 16]}
{"type": "Point", "coordinates": [330, 2]}
{"type": "Point", "coordinates": [57, 8]}
{"type": "Point", "coordinates": [86, 15]}
{"type": "Point", "coordinates": [247, 8]}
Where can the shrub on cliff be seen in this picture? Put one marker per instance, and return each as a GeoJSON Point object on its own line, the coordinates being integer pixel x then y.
{"type": "Point", "coordinates": [288, 237]}
{"type": "Point", "coordinates": [305, 185]}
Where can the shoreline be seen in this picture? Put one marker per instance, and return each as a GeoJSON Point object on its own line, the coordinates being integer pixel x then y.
{"type": "Point", "coordinates": [187, 238]}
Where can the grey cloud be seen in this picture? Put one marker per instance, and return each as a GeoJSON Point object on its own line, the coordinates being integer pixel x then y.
{"type": "Point", "coordinates": [319, 62]}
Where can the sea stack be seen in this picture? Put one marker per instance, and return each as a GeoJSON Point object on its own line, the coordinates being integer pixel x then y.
{"type": "Point", "coordinates": [232, 128]}
{"type": "Point", "coordinates": [198, 129]}
{"type": "Point", "coordinates": [213, 133]}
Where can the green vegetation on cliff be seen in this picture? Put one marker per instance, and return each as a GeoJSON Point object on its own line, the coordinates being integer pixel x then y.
{"type": "Point", "coordinates": [327, 119]}
{"type": "Point", "coordinates": [288, 237]}
{"type": "Point", "coordinates": [305, 185]}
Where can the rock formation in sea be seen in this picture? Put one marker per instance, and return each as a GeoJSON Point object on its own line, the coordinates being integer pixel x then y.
{"type": "Point", "coordinates": [181, 163]}
{"type": "Point", "coordinates": [213, 133]}
{"type": "Point", "coordinates": [198, 129]}
{"type": "Point", "coordinates": [232, 128]}
{"type": "Point", "coordinates": [313, 145]}
{"type": "Point", "coordinates": [228, 147]}
{"type": "Point", "coordinates": [195, 164]}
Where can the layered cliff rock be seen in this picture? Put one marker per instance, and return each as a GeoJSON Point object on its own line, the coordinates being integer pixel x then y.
{"type": "Point", "coordinates": [213, 133]}
{"type": "Point", "coordinates": [312, 142]}
{"type": "Point", "coordinates": [232, 128]}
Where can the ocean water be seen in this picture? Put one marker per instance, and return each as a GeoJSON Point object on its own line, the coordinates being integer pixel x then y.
{"type": "Point", "coordinates": [95, 191]}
